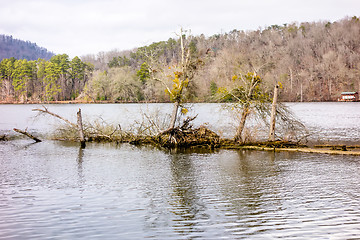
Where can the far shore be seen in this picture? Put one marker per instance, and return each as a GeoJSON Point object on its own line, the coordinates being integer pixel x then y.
{"type": "Point", "coordinates": [116, 101]}
{"type": "Point", "coordinates": [76, 102]}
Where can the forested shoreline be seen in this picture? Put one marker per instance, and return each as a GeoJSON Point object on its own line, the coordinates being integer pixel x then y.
{"type": "Point", "coordinates": [312, 62]}
{"type": "Point", "coordinates": [43, 81]}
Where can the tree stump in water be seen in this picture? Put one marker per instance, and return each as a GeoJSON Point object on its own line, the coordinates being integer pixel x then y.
{"type": "Point", "coordinates": [81, 129]}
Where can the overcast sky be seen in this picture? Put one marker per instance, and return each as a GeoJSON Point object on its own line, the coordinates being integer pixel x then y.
{"type": "Point", "coordinates": [80, 27]}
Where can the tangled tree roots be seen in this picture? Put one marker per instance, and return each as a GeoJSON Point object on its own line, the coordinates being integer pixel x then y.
{"type": "Point", "coordinates": [186, 136]}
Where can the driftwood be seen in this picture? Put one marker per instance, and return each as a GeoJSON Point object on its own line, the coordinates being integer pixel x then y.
{"type": "Point", "coordinates": [78, 126]}
{"type": "Point", "coordinates": [27, 134]}
{"type": "Point", "coordinates": [45, 110]}
{"type": "Point", "coordinates": [341, 147]}
{"type": "Point", "coordinates": [186, 136]}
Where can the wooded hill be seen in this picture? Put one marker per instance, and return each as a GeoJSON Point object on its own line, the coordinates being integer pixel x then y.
{"type": "Point", "coordinates": [313, 62]}
{"type": "Point", "coordinates": [18, 49]}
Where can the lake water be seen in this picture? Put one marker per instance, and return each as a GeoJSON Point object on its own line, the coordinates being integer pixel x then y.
{"type": "Point", "coordinates": [337, 122]}
{"type": "Point", "coordinates": [55, 190]}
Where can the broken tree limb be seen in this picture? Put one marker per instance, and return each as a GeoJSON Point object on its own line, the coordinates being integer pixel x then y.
{"type": "Point", "coordinates": [45, 110]}
{"type": "Point", "coordinates": [78, 126]}
{"type": "Point", "coordinates": [27, 134]}
{"type": "Point", "coordinates": [81, 130]}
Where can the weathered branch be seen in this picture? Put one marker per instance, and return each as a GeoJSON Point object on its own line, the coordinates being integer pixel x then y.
{"type": "Point", "coordinates": [152, 122]}
{"type": "Point", "coordinates": [163, 83]}
{"type": "Point", "coordinates": [27, 134]}
{"type": "Point", "coordinates": [45, 110]}
{"type": "Point", "coordinates": [77, 126]}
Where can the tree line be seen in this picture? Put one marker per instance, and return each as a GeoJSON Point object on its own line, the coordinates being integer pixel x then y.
{"type": "Point", "coordinates": [42, 81]}
{"type": "Point", "coordinates": [313, 61]}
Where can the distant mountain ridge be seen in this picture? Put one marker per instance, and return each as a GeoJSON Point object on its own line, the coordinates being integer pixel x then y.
{"type": "Point", "coordinates": [19, 49]}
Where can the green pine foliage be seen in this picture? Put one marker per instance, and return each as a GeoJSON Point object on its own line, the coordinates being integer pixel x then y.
{"type": "Point", "coordinates": [41, 80]}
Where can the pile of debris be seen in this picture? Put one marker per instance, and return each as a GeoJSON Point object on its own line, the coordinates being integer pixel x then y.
{"type": "Point", "coordinates": [183, 136]}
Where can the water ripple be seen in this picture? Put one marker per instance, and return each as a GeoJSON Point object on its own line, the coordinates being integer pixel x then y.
{"type": "Point", "coordinates": [129, 193]}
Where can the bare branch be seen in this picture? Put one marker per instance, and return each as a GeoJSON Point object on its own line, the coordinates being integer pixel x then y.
{"type": "Point", "coordinates": [45, 110]}
{"type": "Point", "coordinates": [27, 134]}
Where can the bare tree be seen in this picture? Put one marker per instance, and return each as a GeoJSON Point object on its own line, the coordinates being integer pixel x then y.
{"type": "Point", "coordinates": [247, 95]}
{"type": "Point", "coordinates": [182, 73]}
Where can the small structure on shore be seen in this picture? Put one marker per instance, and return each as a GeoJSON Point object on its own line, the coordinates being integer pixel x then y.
{"type": "Point", "coordinates": [349, 97]}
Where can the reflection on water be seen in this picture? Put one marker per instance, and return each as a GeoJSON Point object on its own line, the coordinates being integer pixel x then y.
{"type": "Point", "coordinates": [59, 191]}
{"type": "Point", "coordinates": [56, 190]}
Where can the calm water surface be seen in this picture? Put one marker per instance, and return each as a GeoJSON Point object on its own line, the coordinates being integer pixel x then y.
{"type": "Point", "coordinates": [327, 122]}
{"type": "Point", "coordinates": [53, 190]}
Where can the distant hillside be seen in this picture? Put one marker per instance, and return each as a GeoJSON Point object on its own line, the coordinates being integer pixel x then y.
{"type": "Point", "coordinates": [314, 61]}
{"type": "Point", "coordinates": [10, 47]}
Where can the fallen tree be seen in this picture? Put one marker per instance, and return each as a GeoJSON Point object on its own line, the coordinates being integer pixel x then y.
{"type": "Point", "coordinates": [78, 126]}
{"type": "Point", "coordinates": [184, 136]}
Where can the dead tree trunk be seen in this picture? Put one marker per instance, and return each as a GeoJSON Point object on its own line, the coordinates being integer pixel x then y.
{"type": "Point", "coordinates": [174, 115]}
{"type": "Point", "coordinates": [244, 114]}
{"type": "Point", "coordinates": [27, 134]}
{"type": "Point", "coordinates": [81, 130]}
{"type": "Point", "coordinates": [273, 114]}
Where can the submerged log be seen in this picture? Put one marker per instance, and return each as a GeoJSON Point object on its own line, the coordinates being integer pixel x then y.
{"type": "Point", "coordinates": [27, 134]}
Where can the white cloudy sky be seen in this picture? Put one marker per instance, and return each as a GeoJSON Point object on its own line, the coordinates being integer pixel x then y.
{"type": "Point", "coordinates": [80, 27]}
